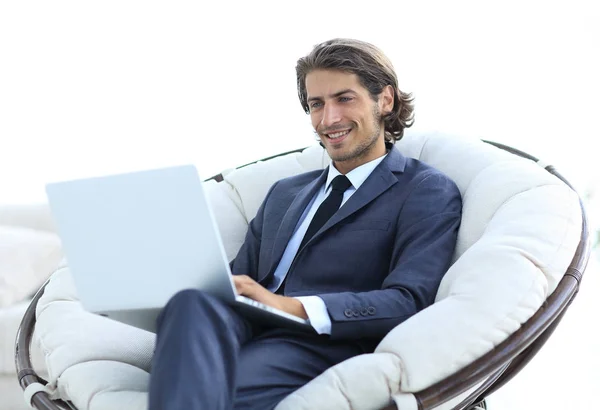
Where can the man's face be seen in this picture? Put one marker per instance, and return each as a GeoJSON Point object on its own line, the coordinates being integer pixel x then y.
{"type": "Point", "coordinates": [346, 118]}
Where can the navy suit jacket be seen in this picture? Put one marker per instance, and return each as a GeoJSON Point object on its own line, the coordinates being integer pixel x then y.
{"type": "Point", "coordinates": [377, 261]}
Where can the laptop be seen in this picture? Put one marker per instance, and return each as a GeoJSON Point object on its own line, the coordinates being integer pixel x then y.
{"type": "Point", "coordinates": [133, 240]}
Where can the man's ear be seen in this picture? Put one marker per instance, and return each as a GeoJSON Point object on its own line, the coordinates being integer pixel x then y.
{"type": "Point", "coordinates": [386, 99]}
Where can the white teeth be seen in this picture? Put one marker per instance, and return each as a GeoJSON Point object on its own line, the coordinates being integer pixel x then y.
{"type": "Point", "coordinates": [337, 134]}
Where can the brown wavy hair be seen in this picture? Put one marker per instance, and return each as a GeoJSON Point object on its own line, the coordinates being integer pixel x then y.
{"type": "Point", "coordinates": [374, 71]}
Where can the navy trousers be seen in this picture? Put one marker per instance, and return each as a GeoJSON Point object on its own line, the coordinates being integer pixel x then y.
{"type": "Point", "coordinates": [209, 357]}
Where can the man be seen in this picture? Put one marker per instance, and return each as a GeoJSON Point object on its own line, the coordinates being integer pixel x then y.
{"type": "Point", "coordinates": [355, 274]}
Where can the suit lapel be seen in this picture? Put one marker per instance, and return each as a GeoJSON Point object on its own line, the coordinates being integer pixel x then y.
{"type": "Point", "coordinates": [293, 214]}
{"type": "Point", "coordinates": [380, 180]}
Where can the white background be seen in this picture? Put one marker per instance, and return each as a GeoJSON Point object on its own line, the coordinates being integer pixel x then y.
{"type": "Point", "coordinates": [89, 88]}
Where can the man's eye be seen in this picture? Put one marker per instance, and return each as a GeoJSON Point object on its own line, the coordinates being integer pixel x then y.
{"type": "Point", "coordinates": [315, 105]}
{"type": "Point", "coordinates": [345, 99]}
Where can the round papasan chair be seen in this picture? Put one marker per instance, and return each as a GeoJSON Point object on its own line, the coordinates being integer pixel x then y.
{"type": "Point", "coordinates": [521, 252]}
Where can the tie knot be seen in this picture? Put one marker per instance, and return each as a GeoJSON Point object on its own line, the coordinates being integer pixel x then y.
{"type": "Point", "coordinates": [340, 183]}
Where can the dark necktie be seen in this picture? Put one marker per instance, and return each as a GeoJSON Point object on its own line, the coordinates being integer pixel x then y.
{"type": "Point", "coordinates": [328, 207]}
{"type": "Point", "coordinates": [332, 203]}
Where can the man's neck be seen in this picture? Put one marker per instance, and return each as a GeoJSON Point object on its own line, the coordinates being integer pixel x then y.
{"type": "Point", "coordinates": [378, 151]}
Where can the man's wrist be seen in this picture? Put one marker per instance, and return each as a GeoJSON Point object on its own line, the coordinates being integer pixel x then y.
{"type": "Point", "coordinates": [317, 313]}
{"type": "Point", "coordinates": [294, 307]}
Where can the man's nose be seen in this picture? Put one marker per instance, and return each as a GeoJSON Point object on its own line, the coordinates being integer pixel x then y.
{"type": "Point", "coordinates": [331, 115]}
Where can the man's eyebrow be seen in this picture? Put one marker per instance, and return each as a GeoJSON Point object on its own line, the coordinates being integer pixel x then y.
{"type": "Point", "coordinates": [347, 90]}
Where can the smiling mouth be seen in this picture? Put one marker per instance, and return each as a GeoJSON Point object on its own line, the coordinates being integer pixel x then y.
{"type": "Point", "coordinates": [337, 135]}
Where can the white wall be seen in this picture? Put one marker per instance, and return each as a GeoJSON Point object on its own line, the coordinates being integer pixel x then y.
{"type": "Point", "coordinates": [91, 88]}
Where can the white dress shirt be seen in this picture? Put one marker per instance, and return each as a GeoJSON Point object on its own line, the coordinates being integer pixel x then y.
{"type": "Point", "coordinates": [314, 305]}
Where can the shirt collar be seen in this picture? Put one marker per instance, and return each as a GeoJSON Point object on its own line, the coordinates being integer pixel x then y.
{"type": "Point", "coordinates": [357, 176]}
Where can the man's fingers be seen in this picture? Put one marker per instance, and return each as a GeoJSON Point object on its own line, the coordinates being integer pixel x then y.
{"type": "Point", "coordinates": [239, 283]}
{"type": "Point", "coordinates": [243, 284]}
{"type": "Point", "coordinates": [246, 286]}
{"type": "Point", "coordinates": [243, 279]}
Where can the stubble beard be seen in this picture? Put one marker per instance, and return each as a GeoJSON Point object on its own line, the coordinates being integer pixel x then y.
{"type": "Point", "coordinates": [365, 146]}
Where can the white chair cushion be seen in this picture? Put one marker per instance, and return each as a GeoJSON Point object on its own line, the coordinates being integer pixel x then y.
{"type": "Point", "coordinates": [519, 232]}
{"type": "Point", "coordinates": [106, 385]}
{"type": "Point", "coordinates": [68, 335]}
{"type": "Point", "coordinates": [28, 257]}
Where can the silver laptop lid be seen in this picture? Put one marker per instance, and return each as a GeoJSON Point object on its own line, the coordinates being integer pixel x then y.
{"type": "Point", "coordinates": [133, 240]}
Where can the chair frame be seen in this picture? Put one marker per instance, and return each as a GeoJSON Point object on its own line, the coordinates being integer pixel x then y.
{"type": "Point", "coordinates": [491, 371]}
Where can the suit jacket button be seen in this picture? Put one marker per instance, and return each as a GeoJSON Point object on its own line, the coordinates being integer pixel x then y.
{"type": "Point", "coordinates": [355, 313]}
{"type": "Point", "coordinates": [364, 311]}
{"type": "Point", "coordinates": [371, 310]}
{"type": "Point", "coordinates": [348, 312]}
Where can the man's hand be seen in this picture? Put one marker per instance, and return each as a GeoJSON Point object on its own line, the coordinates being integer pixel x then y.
{"type": "Point", "coordinates": [246, 286]}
